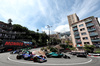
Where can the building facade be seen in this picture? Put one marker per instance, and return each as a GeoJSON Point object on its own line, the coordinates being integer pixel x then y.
{"type": "Point", "coordinates": [62, 36]}
{"type": "Point", "coordinates": [85, 31]}
{"type": "Point", "coordinates": [6, 32]}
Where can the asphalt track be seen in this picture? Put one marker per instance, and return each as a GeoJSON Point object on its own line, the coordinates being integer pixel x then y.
{"type": "Point", "coordinates": [6, 59]}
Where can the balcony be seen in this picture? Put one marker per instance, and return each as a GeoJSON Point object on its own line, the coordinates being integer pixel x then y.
{"type": "Point", "coordinates": [90, 24]}
{"type": "Point", "coordinates": [77, 36]}
{"type": "Point", "coordinates": [93, 34]}
{"type": "Point", "coordinates": [78, 42]}
{"type": "Point", "coordinates": [91, 29]}
{"type": "Point", "coordinates": [95, 40]}
{"type": "Point", "coordinates": [76, 33]}
{"type": "Point", "coordinates": [75, 29]}
{"type": "Point", "coordinates": [87, 21]}
{"type": "Point", "coordinates": [74, 25]}
{"type": "Point", "coordinates": [79, 45]}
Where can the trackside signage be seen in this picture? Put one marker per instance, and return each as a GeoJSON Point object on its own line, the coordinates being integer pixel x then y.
{"type": "Point", "coordinates": [8, 43]}
{"type": "Point", "coordinates": [13, 43]}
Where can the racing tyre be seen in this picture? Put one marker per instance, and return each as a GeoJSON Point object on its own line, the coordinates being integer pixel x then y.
{"type": "Point", "coordinates": [48, 56]}
{"type": "Point", "coordinates": [11, 52]}
{"type": "Point", "coordinates": [40, 60]}
{"type": "Point", "coordinates": [35, 59]}
{"type": "Point", "coordinates": [26, 58]}
{"type": "Point", "coordinates": [19, 57]}
{"type": "Point", "coordinates": [66, 57]}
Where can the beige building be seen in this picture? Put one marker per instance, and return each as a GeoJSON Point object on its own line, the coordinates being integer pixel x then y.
{"type": "Point", "coordinates": [86, 31]}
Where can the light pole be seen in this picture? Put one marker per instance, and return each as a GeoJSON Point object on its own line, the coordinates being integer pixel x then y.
{"type": "Point", "coordinates": [48, 26]}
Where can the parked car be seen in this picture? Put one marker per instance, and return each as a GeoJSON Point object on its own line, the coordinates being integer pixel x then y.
{"type": "Point", "coordinates": [82, 54]}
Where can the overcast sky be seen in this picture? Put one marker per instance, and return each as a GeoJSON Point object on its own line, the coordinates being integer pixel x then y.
{"type": "Point", "coordinates": [37, 14]}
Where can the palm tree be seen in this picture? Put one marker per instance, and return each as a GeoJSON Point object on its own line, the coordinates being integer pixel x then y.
{"type": "Point", "coordinates": [37, 30]}
{"type": "Point", "coordinates": [9, 21]}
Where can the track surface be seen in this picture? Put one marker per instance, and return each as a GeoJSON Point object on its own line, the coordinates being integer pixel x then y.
{"type": "Point", "coordinates": [6, 59]}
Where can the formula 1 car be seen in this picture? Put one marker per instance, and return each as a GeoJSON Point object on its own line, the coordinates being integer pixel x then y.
{"type": "Point", "coordinates": [39, 58]}
{"type": "Point", "coordinates": [24, 54]}
{"type": "Point", "coordinates": [82, 54]}
{"type": "Point", "coordinates": [54, 54]}
{"type": "Point", "coordinates": [57, 55]}
{"type": "Point", "coordinates": [15, 52]}
{"type": "Point", "coordinates": [32, 57]}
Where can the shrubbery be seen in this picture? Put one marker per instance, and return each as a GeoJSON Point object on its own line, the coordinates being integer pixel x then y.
{"type": "Point", "coordinates": [53, 49]}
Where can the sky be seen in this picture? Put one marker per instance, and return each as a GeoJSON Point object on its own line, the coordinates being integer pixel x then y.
{"type": "Point", "coordinates": [37, 14]}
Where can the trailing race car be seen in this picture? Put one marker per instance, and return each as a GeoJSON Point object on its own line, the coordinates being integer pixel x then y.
{"type": "Point", "coordinates": [24, 54]}
{"type": "Point", "coordinates": [82, 54]}
{"type": "Point", "coordinates": [35, 56]}
{"type": "Point", "coordinates": [15, 52]}
{"type": "Point", "coordinates": [39, 58]}
{"type": "Point", "coordinates": [57, 55]}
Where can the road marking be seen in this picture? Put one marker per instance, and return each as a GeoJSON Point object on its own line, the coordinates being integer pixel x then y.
{"type": "Point", "coordinates": [49, 64]}
{"type": "Point", "coordinates": [94, 57]}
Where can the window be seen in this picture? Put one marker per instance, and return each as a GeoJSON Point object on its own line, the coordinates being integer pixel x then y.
{"type": "Point", "coordinates": [82, 29]}
{"type": "Point", "coordinates": [81, 25]}
{"type": "Point", "coordinates": [84, 38]}
{"type": "Point", "coordinates": [86, 43]}
{"type": "Point", "coordinates": [83, 33]}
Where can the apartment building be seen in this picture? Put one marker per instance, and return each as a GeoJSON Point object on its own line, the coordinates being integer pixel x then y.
{"type": "Point", "coordinates": [6, 32]}
{"type": "Point", "coordinates": [85, 31]}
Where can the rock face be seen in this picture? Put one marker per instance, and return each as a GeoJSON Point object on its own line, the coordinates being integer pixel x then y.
{"type": "Point", "coordinates": [58, 47]}
{"type": "Point", "coordinates": [38, 52]}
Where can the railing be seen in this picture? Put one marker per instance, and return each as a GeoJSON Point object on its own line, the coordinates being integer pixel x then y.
{"type": "Point", "coordinates": [75, 29]}
{"type": "Point", "coordinates": [93, 34]}
{"type": "Point", "coordinates": [76, 33]}
{"type": "Point", "coordinates": [95, 40]}
{"type": "Point", "coordinates": [77, 36]}
{"type": "Point", "coordinates": [90, 24]}
{"type": "Point", "coordinates": [88, 21]}
{"type": "Point", "coordinates": [74, 25]}
{"type": "Point", "coordinates": [78, 42]}
{"type": "Point", "coordinates": [92, 29]}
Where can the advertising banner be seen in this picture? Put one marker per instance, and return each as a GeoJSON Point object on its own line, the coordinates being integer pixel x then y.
{"type": "Point", "coordinates": [13, 43]}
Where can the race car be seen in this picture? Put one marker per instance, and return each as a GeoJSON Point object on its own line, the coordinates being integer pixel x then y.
{"type": "Point", "coordinates": [32, 56]}
{"type": "Point", "coordinates": [39, 58]}
{"type": "Point", "coordinates": [54, 54]}
{"type": "Point", "coordinates": [57, 55]}
{"type": "Point", "coordinates": [24, 54]}
{"type": "Point", "coordinates": [15, 52]}
{"type": "Point", "coordinates": [82, 54]}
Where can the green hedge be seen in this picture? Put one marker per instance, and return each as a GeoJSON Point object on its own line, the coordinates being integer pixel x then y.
{"type": "Point", "coordinates": [97, 51]}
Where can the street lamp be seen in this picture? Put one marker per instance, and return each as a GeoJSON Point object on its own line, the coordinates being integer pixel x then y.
{"type": "Point", "coordinates": [48, 26]}
{"type": "Point", "coordinates": [49, 29]}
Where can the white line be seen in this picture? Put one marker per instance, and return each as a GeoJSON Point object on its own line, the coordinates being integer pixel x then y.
{"type": "Point", "coordinates": [50, 64]}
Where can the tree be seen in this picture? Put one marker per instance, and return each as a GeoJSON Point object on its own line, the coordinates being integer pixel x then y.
{"type": "Point", "coordinates": [58, 41]}
{"type": "Point", "coordinates": [35, 37]}
{"type": "Point", "coordinates": [89, 48]}
{"type": "Point", "coordinates": [37, 30]}
{"type": "Point", "coordinates": [9, 21]}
